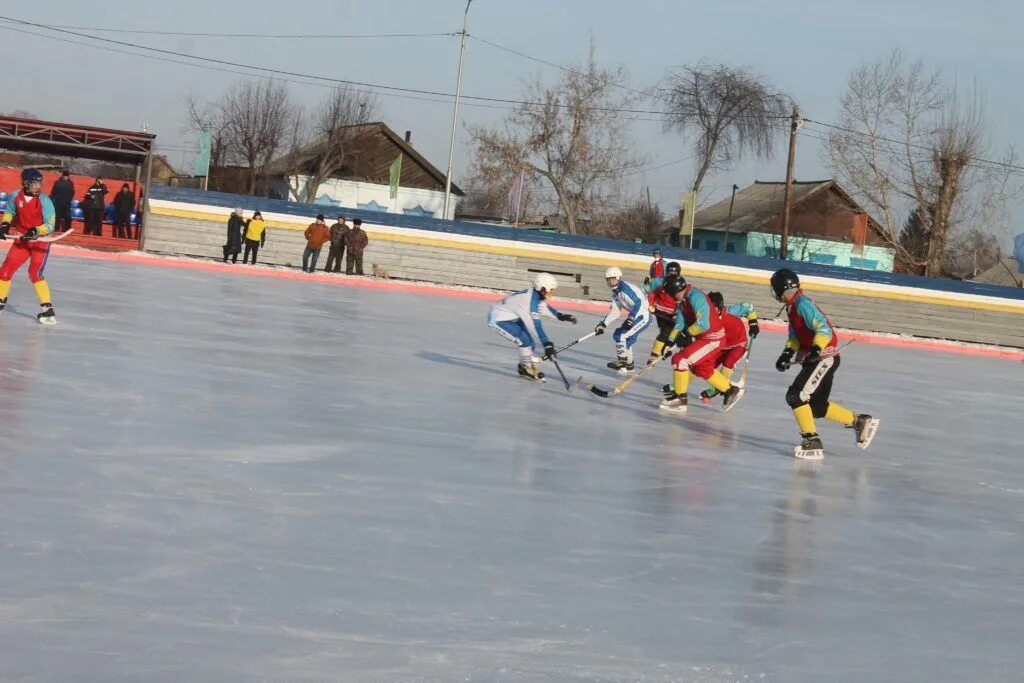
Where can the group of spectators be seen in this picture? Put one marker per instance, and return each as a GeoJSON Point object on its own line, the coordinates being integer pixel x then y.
{"type": "Point", "coordinates": [346, 241]}
{"type": "Point", "coordinates": [94, 206]}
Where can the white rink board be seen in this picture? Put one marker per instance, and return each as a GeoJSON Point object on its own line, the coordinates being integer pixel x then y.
{"type": "Point", "coordinates": [213, 477]}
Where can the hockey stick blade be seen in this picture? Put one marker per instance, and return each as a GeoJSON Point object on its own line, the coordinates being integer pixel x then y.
{"type": "Point", "coordinates": [598, 391]}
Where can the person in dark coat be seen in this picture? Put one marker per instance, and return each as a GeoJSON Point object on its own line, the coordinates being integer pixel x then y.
{"type": "Point", "coordinates": [93, 206]}
{"type": "Point", "coordinates": [337, 251]}
{"type": "Point", "coordinates": [124, 203]}
{"type": "Point", "coordinates": [234, 246]}
{"type": "Point", "coordinates": [61, 194]}
{"type": "Point", "coordinates": [355, 243]}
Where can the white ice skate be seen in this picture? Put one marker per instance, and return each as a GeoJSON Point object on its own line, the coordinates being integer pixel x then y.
{"type": "Point", "coordinates": [810, 448]}
{"type": "Point", "coordinates": [865, 426]}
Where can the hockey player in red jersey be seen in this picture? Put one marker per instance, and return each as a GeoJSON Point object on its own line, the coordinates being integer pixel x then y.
{"type": "Point", "coordinates": [812, 343]}
{"type": "Point", "coordinates": [741, 328]}
{"type": "Point", "coordinates": [31, 213]}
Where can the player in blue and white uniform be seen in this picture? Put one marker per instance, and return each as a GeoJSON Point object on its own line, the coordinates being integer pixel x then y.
{"type": "Point", "coordinates": [517, 318]}
{"type": "Point", "coordinates": [631, 299]}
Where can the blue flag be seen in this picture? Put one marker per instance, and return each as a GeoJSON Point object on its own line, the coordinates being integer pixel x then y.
{"type": "Point", "coordinates": [1018, 252]}
{"type": "Point", "coordinates": [202, 163]}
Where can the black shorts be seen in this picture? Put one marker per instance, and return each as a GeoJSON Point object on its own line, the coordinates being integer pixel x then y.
{"type": "Point", "coordinates": [665, 326]}
{"type": "Point", "coordinates": [813, 386]}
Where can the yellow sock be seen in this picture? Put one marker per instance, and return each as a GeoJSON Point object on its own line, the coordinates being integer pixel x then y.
{"type": "Point", "coordinates": [5, 288]}
{"type": "Point", "coordinates": [43, 292]}
{"type": "Point", "coordinates": [719, 381]}
{"type": "Point", "coordinates": [839, 414]}
{"type": "Point", "coordinates": [726, 373]}
{"type": "Point", "coordinates": [657, 348]}
{"type": "Point", "coordinates": [804, 419]}
{"type": "Point", "coordinates": [680, 381]}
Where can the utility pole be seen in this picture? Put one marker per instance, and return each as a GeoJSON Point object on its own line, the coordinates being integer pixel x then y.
{"type": "Point", "coordinates": [728, 223]}
{"type": "Point", "coordinates": [455, 115]}
{"type": "Point", "coordinates": [794, 125]}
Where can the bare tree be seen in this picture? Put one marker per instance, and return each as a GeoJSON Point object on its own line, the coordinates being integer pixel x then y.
{"type": "Point", "coordinates": [905, 141]}
{"type": "Point", "coordinates": [729, 112]}
{"type": "Point", "coordinates": [569, 135]}
{"type": "Point", "coordinates": [257, 115]}
{"type": "Point", "coordinates": [636, 220]}
{"type": "Point", "coordinates": [321, 142]}
{"type": "Point", "coordinates": [490, 192]}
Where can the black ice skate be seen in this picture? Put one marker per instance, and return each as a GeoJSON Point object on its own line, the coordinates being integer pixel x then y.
{"type": "Point", "coordinates": [47, 317]}
{"type": "Point", "coordinates": [732, 397]}
{"type": "Point", "coordinates": [622, 365]}
{"type": "Point", "coordinates": [810, 448]}
{"type": "Point", "coordinates": [530, 372]}
{"type": "Point", "coordinates": [709, 394]}
{"type": "Point", "coordinates": [674, 403]}
{"type": "Point", "coordinates": [668, 390]}
{"type": "Point", "coordinates": [3, 305]}
{"type": "Point", "coordinates": [865, 427]}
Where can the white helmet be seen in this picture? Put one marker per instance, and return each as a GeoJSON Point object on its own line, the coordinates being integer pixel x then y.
{"type": "Point", "coordinates": [614, 271]}
{"type": "Point", "coordinates": [545, 282]}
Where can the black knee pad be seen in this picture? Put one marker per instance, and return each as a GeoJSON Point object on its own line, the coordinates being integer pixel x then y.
{"type": "Point", "coordinates": [819, 407]}
{"type": "Point", "coordinates": [793, 398]}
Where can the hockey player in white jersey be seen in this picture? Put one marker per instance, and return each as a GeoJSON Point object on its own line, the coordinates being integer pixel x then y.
{"type": "Point", "coordinates": [632, 299]}
{"type": "Point", "coordinates": [517, 318]}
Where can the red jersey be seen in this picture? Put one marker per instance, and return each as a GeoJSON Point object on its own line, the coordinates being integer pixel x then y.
{"type": "Point", "coordinates": [806, 321]}
{"type": "Point", "coordinates": [696, 309]}
{"type": "Point", "coordinates": [735, 330]}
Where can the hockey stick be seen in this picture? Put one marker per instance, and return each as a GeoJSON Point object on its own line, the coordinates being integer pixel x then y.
{"type": "Point", "coordinates": [743, 375]}
{"type": "Point", "coordinates": [823, 356]}
{"type": "Point", "coordinates": [603, 393]}
{"type": "Point", "coordinates": [568, 387]}
{"type": "Point", "coordinates": [574, 343]}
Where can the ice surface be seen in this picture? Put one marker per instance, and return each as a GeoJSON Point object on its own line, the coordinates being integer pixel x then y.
{"type": "Point", "coordinates": [214, 477]}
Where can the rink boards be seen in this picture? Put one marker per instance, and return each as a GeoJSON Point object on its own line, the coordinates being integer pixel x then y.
{"type": "Point", "coordinates": [185, 222]}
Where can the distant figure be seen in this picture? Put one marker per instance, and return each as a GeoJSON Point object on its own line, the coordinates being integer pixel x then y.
{"type": "Point", "coordinates": [93, 205]}
{"type": "Point", "coordinates": [355, 242]}
{"type": "Point", "coordinates": [61, 194]}
{"type": "Point", "coordinates": [657, 265]}
{"type": "Point", "coordinates": [255, 237]}
{"type": "Point", "coordinates": [124, 204]}
{"type": "Point", "coordinates": [234, 244]}
{"type": "Point", "coordinates": [316, 235]}
{"type": "Point", "coordinates": [337, 250]}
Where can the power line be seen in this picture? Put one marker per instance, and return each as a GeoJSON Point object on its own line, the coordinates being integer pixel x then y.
{"type": "Point", "coordinates": [194, 34]}
{"type": "Point", "coordinates": [283, 72]}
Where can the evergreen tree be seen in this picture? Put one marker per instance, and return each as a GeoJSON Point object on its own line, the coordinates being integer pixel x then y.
{"type": "Point", "coordinates": [914, 237]}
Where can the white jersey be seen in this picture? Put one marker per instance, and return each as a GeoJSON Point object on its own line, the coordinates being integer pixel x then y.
{"type": "Point", "coordinates": [631, 299]}
{"type": "Point", "coordinates": [528, 307]}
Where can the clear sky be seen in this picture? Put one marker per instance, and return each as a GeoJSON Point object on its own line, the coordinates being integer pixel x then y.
{"type": "Point", "coordinates": [806, 48]}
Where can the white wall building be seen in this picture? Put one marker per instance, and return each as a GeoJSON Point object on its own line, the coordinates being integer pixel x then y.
{"type": "Point", "coordinates": [363, 182]}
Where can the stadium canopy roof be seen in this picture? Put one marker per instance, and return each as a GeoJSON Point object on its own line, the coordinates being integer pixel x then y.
{"type": "Point", "coordinates": [70, 140]}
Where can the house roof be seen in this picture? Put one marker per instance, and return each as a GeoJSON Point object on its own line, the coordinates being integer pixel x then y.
{"type": "Point", "coordinates": [762, 202]}
{"type": "Point", "coordinates": [374, 147]}
{"type": "Point", "coordinates": [1006, 272]}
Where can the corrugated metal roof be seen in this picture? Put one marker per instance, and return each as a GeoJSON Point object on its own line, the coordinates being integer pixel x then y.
{"type": "Point", "coordinates": [755, 204]}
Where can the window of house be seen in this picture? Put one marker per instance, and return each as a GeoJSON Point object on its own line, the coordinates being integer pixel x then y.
{"type": "Point", "coordinates": [864, 263]}
{"type": "Point", "coordinates": [711, 245]}
{"type": "Point", "coordinates": [771, 252]}
{"type": "Point", "coordinates": [730, 248]}
{"type": "Point", "coordinates": [696, 244]}
{"type": "Point", "coordinates": [827, 259]}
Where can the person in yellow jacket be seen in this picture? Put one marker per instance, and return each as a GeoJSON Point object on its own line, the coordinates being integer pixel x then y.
{"type": "Point", "coordinates": [255, 237]}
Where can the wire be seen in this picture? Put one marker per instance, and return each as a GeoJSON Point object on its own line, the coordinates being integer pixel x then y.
{"type": "Point", "coordinates": [194, 34]}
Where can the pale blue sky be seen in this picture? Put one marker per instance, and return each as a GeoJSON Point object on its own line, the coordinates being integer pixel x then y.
{"type": "Point", "coordinates": [805, 48]}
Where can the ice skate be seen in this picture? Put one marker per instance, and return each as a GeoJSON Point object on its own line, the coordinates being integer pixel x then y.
{"type": "Point", "coordinates": [674, 403]}
{"type": "Point", "coordinates": [865, 427]}
{"type": "Point", "coordinates": [668, 390]}
{"type": "Point", "coordinates": [709, 394]}
{"type": "Point", "coordinates": [47, 317]}
{"type": "Point", "coordinates": [810, 448]}
{"type": "Point", "coordinates": [530, 372]}
{"type": "Point", "coordinates": [3, 305]}
{"type": "Point", "coordinates": [622, 365]}
{"type": "Point", "coordinates": [732, 397]}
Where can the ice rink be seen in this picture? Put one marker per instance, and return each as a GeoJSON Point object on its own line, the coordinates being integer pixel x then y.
{"type": "Point", "coordinates": [210, 476]}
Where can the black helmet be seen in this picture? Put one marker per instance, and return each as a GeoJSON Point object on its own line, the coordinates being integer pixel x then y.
{"type": "Point", "coordinates": [673, 268]}
{"type": "Point", "coordinates": [674, 284]}
{"type": "Point", "coordinates": [29, 176]}
{"type": "Point", "coordinates": [783, 280]}
{"type": "Point", "coordinates": [717, 300]}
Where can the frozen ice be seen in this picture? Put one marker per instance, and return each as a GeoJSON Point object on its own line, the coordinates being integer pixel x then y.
{"type": "Point", "coordinates": [210, 476]}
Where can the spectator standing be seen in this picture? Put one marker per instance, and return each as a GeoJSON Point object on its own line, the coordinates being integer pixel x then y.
{"type": "Point", "coordinates": [255, 237]}
{"type": "Point", "coordinates": [61, 194]}
{"type": "Point", "coordinates": [93, 206]}
{"type": "Point", "coordinates": [316, 235]}
{"type": "Point", "coordinates": [234, 244]}
{"type": "Point", "coordinates": [124, 203]}
{"type": "Point", "coordinates": [355, 242]}
{"type": "Point", "coordinates": [657, 268]}
{"type": "Point", "coordinates": [337, 250]}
